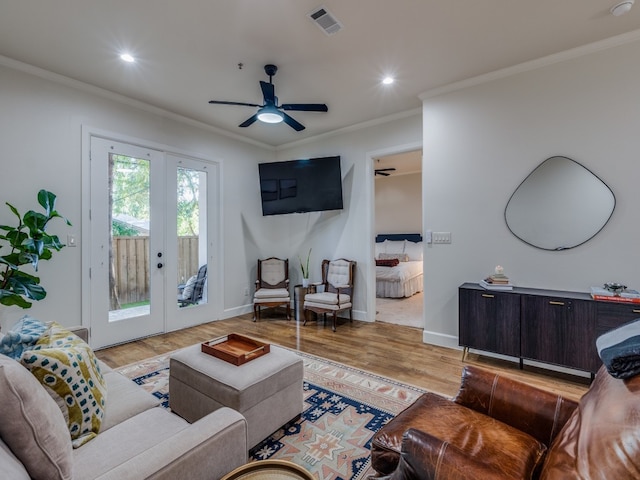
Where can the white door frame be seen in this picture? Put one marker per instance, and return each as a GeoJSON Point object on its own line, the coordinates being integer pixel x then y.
{"type": "Point", "coordinates": [213, 309]}
{"type": "Point", "coordinates": [371, 201]}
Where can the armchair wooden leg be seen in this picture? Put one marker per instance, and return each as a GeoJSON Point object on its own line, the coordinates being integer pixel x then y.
{"type": "Point", "coordinates": [256, 311]}
{"type": "Point", "coordinates": [305, 314]}
{"type": "Point", "coordinates": [333, 327]}
{"type": "Point", "coordinates": [288, 312]}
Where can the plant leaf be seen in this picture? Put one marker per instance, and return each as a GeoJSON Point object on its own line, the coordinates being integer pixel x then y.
{"type": "Point", "coordinates": [27, 286]}
{"type": "Point", "coordinates": [15, 211]}
{"type": "Point", "coordinates": [47, 200]}
{"type": "Point", "coordinates": [9, 299]}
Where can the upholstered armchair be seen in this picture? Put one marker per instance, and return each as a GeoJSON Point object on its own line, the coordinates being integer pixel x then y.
{"type": "Point", "coordinates": [337, 279]}
{"type": "Point", "coordinates": [272, 286]}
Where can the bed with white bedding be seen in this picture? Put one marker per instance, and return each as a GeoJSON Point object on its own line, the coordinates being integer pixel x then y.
{"type": "Point", "coordinates": [406, 278]}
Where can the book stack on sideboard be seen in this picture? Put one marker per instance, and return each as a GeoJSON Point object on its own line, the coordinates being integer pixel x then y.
{"type": "Point", "coordinates": [625, 296]}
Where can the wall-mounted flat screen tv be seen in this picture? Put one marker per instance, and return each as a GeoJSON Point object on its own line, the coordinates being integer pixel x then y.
{"type": "Point", "coordinates": [299, 186]}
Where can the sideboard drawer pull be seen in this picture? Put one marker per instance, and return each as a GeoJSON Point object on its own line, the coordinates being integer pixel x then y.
{"type": "Point", "coordinates": [635, 310]}
{"type": "Point", "coordinates": [552, 302]}
{"type": "Point", "coordinates": [486, 295]}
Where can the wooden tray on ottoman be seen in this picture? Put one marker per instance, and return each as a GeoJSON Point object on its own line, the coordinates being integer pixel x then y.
{"type": "Point", "coordinates": [235, 348]}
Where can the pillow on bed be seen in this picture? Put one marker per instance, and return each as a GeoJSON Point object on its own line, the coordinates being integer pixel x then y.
{"type": "Point", "coordinates": [401, 257]}
{"type": "Point", "coordinates": [379, 248]}
{"type": "Point", "coordinates": [393, 246]}
{"type": "Point", "coordinates": [414, 250]}
{"type": "Point", "coordinates": [389, 262]}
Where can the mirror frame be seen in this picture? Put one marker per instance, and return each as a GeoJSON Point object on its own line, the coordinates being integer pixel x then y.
{"type": "Point", "coordinates": [560, 248]}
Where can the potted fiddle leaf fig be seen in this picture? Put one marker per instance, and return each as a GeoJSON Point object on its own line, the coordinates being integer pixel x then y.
{"type": "Point", "coordinates": [26, 244]}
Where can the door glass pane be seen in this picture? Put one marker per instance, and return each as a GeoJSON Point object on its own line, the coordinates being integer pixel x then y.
{"type": "Point", "coordinates": [129, 273]}
{"type": "Point", "coordinates": [192, 237]}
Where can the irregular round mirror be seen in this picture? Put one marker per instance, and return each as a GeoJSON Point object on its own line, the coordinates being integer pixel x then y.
{"type": "Point", "coordinates": [560, 205]}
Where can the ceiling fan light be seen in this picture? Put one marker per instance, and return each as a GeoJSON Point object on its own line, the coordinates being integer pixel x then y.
{"type": "Point", "coordinates": [270, 115]}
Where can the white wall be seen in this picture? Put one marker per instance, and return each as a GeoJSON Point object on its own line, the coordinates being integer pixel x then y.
{"type": "Point", "coordinates": [40, 139]}
{"type": "Point", "coordinates": [481, 142]}
{"type": "Point", "coordinates": [398, 204]}
{"type": "Point", "coordinates": [347, 233]}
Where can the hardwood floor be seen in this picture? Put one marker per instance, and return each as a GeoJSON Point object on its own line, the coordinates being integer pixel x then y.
{"type": "Point", "coordinates": [389, 350]}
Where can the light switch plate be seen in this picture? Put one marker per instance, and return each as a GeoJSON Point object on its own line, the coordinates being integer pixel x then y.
{"type": "Point", "coordinates": [428, 236]}
{"type": "Point", "coordinates": [441, 237]}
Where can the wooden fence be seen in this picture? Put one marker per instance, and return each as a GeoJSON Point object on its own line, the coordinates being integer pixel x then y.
{"type": "Point", "coordinates": [131, 265]}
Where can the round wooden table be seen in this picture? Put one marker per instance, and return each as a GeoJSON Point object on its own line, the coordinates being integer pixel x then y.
{"type": "Point", "coordinates": [269, 470]}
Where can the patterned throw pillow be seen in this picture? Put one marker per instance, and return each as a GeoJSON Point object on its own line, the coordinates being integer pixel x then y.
{"type": "Point", "coordinates": [22, 336]}
{"type": "Point", "coordinates": [68, 370]}
{"type": "Point", "coordinates": [56, 336]}
{"type": "Point", "coordinates": [389, 262]}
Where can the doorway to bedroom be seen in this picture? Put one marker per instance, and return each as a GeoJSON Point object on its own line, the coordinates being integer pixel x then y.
{"type": "Point", "coordinates": [398, 248]}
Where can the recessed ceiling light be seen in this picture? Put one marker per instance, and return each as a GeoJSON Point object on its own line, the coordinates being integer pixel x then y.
{"type": "Point", "coordinates": [127, 58]}
{"type": "Point", "coordinates": [621, 8]}
{"type": "Point", "coordinates": [388, 80]}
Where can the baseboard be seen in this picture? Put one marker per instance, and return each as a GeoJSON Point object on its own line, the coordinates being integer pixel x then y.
{"type": "Point", "coordinates": [237, 311]}
{"type": "Point", "coordinates": [440, 339]}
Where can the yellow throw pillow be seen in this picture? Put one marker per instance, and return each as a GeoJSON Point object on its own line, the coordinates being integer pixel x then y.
{"type": "Point", "coordinates": [58, 336]}
{"type": "Point", "coordinates": [68, 370]}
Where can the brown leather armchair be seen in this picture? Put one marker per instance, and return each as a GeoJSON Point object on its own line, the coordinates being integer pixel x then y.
{"type": "Point", "coordinates": [497, 428]}
{"type": "Point", "coordinates": [494, 428]}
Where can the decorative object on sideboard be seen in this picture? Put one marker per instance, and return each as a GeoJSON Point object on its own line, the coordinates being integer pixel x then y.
{"type": "Point", "coordinates": [27, 243]}
{"type": "Point", "coordinates": [497, 280]}
{"type": "Point", "coordinates": [614, 287]}
{"type": "Point", "coordinates": [560, 205]}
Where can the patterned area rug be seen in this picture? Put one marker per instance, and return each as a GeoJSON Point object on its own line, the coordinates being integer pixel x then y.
{"type": "Point", "coordinates": [343, 408]}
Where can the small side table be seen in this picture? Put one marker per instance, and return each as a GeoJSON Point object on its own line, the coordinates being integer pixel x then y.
{"type": "Point", "coordinates": [299, 293]}
{"type": "Point", "coordinates": [269, 470]}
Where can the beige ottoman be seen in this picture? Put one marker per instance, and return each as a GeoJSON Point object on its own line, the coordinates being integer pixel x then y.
{"type": "Point", "coordinates": [266, 390]}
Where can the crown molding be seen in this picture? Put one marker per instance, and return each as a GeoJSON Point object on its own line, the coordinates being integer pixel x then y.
{"type": "Point", "coordinates": [564, 56]}
{"type": "Point", "coordinates": [353, 128]}
{"type": "Point", "coordinates": [131, 102]}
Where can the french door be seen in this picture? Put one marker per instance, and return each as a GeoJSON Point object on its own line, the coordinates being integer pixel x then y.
{"type": "Point", "coordinates": [149, 234]}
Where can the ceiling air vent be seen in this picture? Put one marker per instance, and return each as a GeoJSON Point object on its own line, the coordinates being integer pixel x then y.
{"type": "Point", "coordinates": [325, 20]}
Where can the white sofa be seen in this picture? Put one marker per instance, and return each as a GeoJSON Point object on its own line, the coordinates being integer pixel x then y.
{"type": "Point", "coordinates": [138, 439]}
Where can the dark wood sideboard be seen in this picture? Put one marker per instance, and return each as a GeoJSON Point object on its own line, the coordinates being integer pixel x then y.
{"type": "Point", "coordinates": [548, 326]}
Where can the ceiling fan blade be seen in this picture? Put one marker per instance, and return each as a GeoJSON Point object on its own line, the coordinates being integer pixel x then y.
{"type": "Point", "coordinates": [390, 169]}
{"type": "Point", "coordinates": [268, 92]}
{"type": "Point", "coordinates": [220, 102]}
{"type": "Point", "coordinates": [297, 126]}
{"type": "Point", "coordinates": [382, 173]}
{"type": "Point", "coordinates": [305, 107]}
{"type": "Point", "coordinates": [249, 121]}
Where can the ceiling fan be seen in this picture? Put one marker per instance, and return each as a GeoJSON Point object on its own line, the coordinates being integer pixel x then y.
{"type": "Point", "coordinates": [270, 111]}
{"type": "Point", "coordinates": [384, 171]}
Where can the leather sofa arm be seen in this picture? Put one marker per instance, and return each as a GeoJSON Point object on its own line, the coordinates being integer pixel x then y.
{"type": "Point", "coordinates": [539, 413]}
{"type": "Point", "coordinates": [424, 457]}
{"type": "Point", "coordinates": [207, 449]}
